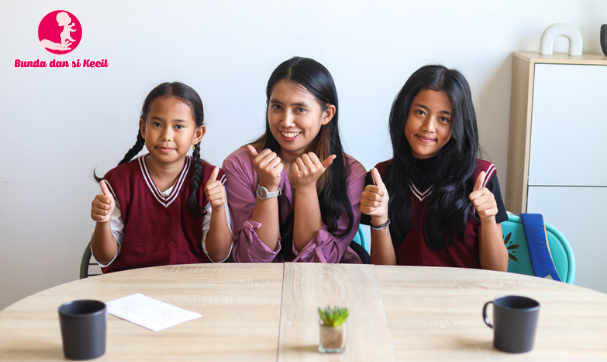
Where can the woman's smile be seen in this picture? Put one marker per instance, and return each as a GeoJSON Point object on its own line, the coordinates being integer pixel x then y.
{"type": "Point", "coordinates": [289, 136]}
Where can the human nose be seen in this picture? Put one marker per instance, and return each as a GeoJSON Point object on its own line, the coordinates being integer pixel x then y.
{"type": "Point", "coordinates": [430, 124]}
{"type": "Point", "coordinates": [167, 134]}
{"type": "Point", "coordinates": [288, 119]}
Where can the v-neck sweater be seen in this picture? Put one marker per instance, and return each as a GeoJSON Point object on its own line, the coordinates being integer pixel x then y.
{"type": "Point", "coordinates": [159, 229]}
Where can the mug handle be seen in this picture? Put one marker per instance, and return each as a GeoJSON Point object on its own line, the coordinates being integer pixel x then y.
{"type": "Point", "coordinates": [485, 314]}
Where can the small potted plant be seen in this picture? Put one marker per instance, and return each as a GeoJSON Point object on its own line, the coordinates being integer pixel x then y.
{"type": "Point", "coordinates": [332, 329]}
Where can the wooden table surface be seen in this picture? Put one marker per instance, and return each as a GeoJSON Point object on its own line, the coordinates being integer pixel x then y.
{"type": "Point", "coordinates": [268, 312]}
{"type": "Point", "coordinates": [435, 314]}
{"type": "Point", "coordinates": [240, 307]}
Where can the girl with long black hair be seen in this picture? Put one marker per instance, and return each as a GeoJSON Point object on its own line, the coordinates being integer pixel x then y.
{"type": "Point", "coordinates": [434, 203]}
{"type": "Point", "coordinates": [293, 193]}
{"type": "Point", "coordinates": [164, 207]}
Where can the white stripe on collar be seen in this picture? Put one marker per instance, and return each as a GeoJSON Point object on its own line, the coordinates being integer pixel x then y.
{"type": "Point", "coordinates": [164, 201]}
{"type": "Point", "coordinates": [420, 195]}
{"type": "Point", "coordinates": [490, 171]}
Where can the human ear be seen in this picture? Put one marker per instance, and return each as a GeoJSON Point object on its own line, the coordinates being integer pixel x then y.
{"type": "Point", "coordinates": [142, 127]}
{"type": "Point", "coordinates": [328, 114]}
{"type": "Point", "coordinates": [198, 134]}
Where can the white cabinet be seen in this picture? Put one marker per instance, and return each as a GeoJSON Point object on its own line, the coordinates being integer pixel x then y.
{"type": "Point", "coordinates": [557, 164]}
{"type": "Point", "coordinates": [579, 213]}
{"type": "Point", "coordinates": [569, 125]}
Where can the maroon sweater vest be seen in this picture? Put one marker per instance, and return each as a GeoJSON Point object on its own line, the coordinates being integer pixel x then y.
{"type": "Point", "coordinates": [415, 251]}
{"type": "Point", "coordinates": [158, 230]}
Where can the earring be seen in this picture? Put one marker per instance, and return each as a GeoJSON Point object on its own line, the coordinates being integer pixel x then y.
{"type": "Point", "coordinates": [193, 147]}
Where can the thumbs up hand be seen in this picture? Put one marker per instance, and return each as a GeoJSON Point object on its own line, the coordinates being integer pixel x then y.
{"type": "Point", "coordinates": [103, 205]}
{"type": "Point", "coordinates": [308, 168]}
{"type": "Point", "coordinates": [482, 199]}
{"type": "Point", "coordinates": [374, 200]}
{"type": "Point", "coordinates": [214, 191]}
{"type": "Point", "coordinates": [268, 167]}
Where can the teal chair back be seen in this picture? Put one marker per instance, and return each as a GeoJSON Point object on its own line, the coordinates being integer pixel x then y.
{"type": "Point", "coordinates": [518, 252]}
{"type": "Point", "coordinates": [361, 239]}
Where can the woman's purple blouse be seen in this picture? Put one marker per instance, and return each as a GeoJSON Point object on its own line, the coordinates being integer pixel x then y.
{"type": "Point", "coordinates": [324, 247]}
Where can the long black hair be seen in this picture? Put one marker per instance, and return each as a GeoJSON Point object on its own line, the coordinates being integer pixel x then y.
{"type": "Point", "coordinates": [190, 97]}
{"type": "Point", "coordinates": [452, 175]}
{"type": "Point", "coordinates": [332, 187]}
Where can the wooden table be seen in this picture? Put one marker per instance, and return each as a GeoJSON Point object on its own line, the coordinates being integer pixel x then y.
{"type": "Point", "coordinates": [240, 307]}
{"type": "Point", "coordinates": [268, 312]}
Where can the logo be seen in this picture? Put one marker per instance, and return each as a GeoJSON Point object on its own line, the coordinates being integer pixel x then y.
{"type": "Point", "coordinates": [60, 32]}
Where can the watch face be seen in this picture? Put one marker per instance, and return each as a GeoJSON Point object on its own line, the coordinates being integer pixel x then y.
{"type": "Point", "coordinates": [262, 193]}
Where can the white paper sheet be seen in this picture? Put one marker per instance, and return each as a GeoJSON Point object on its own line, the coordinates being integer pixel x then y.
{"type": "Point", "coordinates": [148, 312]}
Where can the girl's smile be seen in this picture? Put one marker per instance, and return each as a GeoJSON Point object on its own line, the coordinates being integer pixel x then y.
{"type": "Point", "coordinates": [167, 150]}
{"type": "Point", "coordinates": [425, 139]}
{"type": "Point", "coordinates": [428, 126]}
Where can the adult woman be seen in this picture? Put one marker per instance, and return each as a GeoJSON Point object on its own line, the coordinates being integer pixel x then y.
{"type": "Point", "coordinates": [293, 193]}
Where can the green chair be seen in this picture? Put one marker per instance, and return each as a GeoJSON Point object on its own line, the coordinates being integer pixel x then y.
{"type": "Point", "coordinates": [361, 239]}
{"type": "Point", "coordinates": [518, 252]}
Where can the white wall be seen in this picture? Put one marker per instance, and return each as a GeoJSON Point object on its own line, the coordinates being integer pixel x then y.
{"type": "Point", "coordinates": [56, 125]}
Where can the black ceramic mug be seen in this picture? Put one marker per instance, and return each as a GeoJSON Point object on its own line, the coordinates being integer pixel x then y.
{"type": "Point", "coordinates": [514, 323]}
{"type": "Point", "coordinates": [83, 328]}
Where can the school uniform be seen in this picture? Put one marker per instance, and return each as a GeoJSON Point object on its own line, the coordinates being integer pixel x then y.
{"type": "Point", "coordinates": [157, 227]}
{"type": "Point", "coordinates": [414, 250]}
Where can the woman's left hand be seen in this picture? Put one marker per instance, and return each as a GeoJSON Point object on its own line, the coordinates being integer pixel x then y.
{"type": "Point", "coordinates": [307, 169]}
{"type": "Point", "coordinates": [483, 199]}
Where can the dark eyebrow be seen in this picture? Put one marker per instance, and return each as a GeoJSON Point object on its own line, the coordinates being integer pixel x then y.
{"type": "Point", "coordinates": [274, 100]}
{"type": "Point", "coordinates": [424, 107]}
{"type": "Point", "coordinates": [162, 119]}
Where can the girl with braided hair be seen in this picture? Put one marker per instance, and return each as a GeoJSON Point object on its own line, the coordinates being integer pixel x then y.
{"type": "Point", "coordinates": [164, 207]}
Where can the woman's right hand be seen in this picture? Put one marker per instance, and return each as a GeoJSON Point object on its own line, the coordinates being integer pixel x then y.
{"type": "Point", "coordinates": [268, 167]}
{"type": "Point", "coordinates": [103, 205]}
{"type": "Point", "coordinates": [374, 200]}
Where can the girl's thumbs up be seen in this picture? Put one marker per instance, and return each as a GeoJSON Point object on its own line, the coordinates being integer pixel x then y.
{"type": "Point", "coordinates": [374, 199]}
{"type": "Point", "coordinates": [377, 178]}
{"type": "Point", "coordinates": [479, 181]}
{"type": "Point", "coordinates": [213, 176]}
{"type": "Point", "coordinates": [214, 190]}
{"type": "Point", "coordinates": [103, 205]}
{"type": "Point", "coordinates": [482, 198]}
{"type": "Point", "coordinates": [105, 190]}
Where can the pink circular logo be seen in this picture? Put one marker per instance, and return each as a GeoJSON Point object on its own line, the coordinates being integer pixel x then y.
{"type": "Point", "coordinates": [59, 32]}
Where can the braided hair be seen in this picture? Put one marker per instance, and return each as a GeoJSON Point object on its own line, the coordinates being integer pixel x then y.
{"type": "Point", "coordinates": [190, 97]}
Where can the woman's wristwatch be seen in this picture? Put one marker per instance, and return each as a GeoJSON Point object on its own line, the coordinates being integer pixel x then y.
{"type": "Point", "coordinates": [264, 194]}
